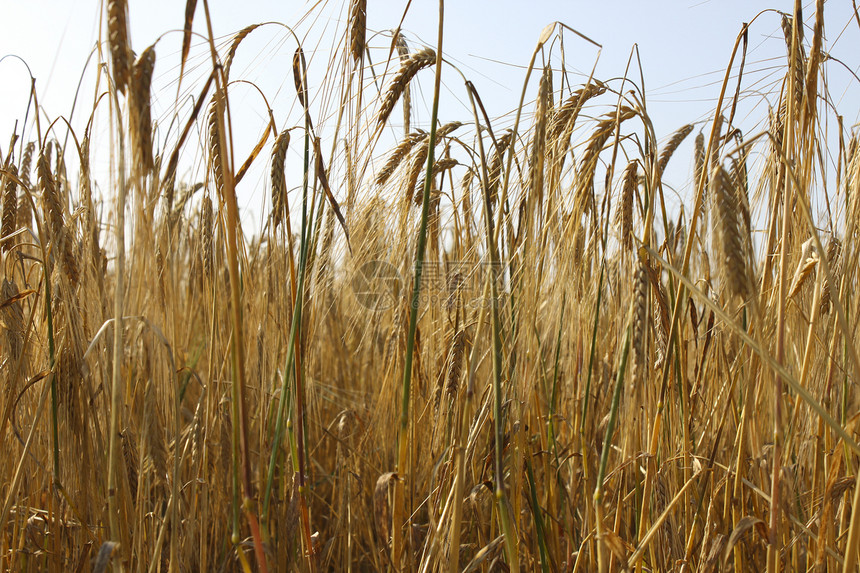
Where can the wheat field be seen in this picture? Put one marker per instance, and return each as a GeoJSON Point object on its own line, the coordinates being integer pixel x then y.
{"type": "Point", "coordinates": [465, 343]}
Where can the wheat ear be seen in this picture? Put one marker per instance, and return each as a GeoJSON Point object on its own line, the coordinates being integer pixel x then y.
{"type": "Point", "coordinates": [10, 208]}
{"type": "Point", "coordinates": [404, 75]}
{"type": "Point", "coordinates": [279, 183]}
{"type": "Point", "coordinates": [357, 28]}
{"type": "Point", "coordinates": [117, 13]}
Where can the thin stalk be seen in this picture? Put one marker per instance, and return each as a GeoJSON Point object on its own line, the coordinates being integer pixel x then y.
{"type": "Point", "coordinates": [298, 449]}
{"type": "Point", "coordinates": [536, 512]}
{"type": "Point", "coordinates": [504, 508]}
{"type": "Point", "coordinates": [679, 295]}
{"type": "Point", "coordinates": [236, 538]}
{"type": "Point", "coordinates": [462, 422]}
{"type": "Point", "coordinates": [402, 449]}
{"type": "Point", "coordinates": [604, 456]}
{"type": "Point", "coordinates": [238, 347]}
{"type": "Point", "coordinates": [301, 446]}
{"type": "Point", "coordinates": [777, 368]}
{"type": "Point", "coordinates": [554, 394]}
{"type": "Point", "coordinates": [49, 317]}
{"type": "Point", "coordinates": [788, 188]}
{"type": "Point", "coordinates": [119, 230]}
{"type": "Point", "coordinates": [505, 517]}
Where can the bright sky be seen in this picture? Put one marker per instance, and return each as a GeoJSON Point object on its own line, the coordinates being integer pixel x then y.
{"type": "Point", "coordinates": [684, 46]}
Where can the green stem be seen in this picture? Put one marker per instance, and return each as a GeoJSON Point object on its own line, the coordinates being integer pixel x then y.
{"type": "Point", "coordinates": [607, 441]}
{"type": "Point", "coordinates": [414, 303]}
{"type": "Point", "coordinates": [291, 353]}
{"type": "Point", "coordinates": [536, 511]}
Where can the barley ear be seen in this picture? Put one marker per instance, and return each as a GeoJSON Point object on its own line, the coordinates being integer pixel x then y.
{"type": "Point", "coordinates": [215, 145]}
{"type": "Point", "coordinates": [234, 45]}
{"type": "Point", "coordinates": [357, 28]}
{"type": "Point", "coordinates": [625, 214]}
{"type": "Point", "coordinates": [140, 109]}
{"type": "Point", "coordinates": [25, 210]}
{"type": "Point", "coordinates": [206, 231]}
{"type": "Point", "coordinates": [120, 51]}
{"type": "Point", "coordinates": [10, 208]}
{"type": "Point", "coordinates": [397, 155]}
{"type": "Point", "coordinates": [834, 260]}
{"type": "Point", "coordinates": [299, 78]}
{"type": "Point", "coordinates": [673, 143]}
{"type": "Point", "coordinates": [404, 75]}
{"type": "Point", "coordinates": [605, 128]}
{"type": "Point", "coordinates": [727, 236]}
{"type": "Point", "coordinates": [795, 57]}
{"type": "Point", "coordinates": [455, 367]}
{"type": "Point", "coordinates": [12, 316]}
{"type": "Point", "coordinates": [51, 206]}
{"type": "Point", "coordinates": [406, 98]}
{"type": "Point", "coordinates": [536, 162]}
{"type": "Point", "coordinates": [639, 331]}
{"type": "Point", "coordinates": [279, 184]}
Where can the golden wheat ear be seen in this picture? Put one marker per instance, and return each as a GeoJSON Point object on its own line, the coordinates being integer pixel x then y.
{"type": "Point", "coordinates": [120, 51]}
{"type": "Point", "coordinates": [215, 145]}
{"type": "Point", "coordinates": [411, 66]}
{"type": "Point", "coordinates": [398, 154]}
{"type": "Point", "coordinates": [10, 208]}
{"type": "Point", "coordinates": [279, 184]}
{"type": "Point", "coordinates": [625, 214]}
{"type": "Point", "coordinates": [206, 234]}
{"type": "Point", "coordinates": [25, 210]}
{"type": "Point", "coordinates": [357, 28]}
{"type": "Point", "coordinates": [141, 110]}
{"type": "Point", "coordinates": [677, 138]}
{"type": "Point", "coordinates": [728, 241]}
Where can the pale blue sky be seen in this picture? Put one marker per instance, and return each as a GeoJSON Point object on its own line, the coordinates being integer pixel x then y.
{"type": "Point", "coordinates": [684, 47]}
